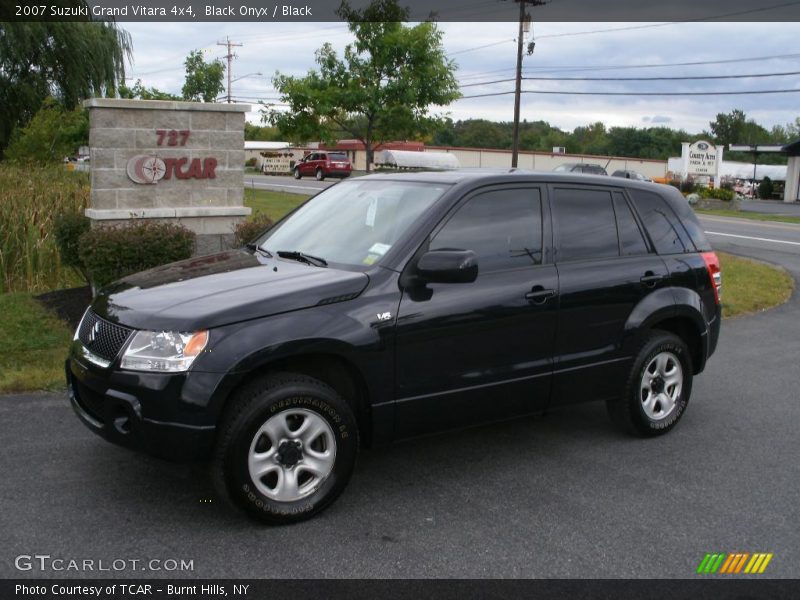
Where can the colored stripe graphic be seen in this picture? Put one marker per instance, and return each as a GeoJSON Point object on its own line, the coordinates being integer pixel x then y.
{"type": "Point", "coordinates": [722, 563]}
{"type": "Point", "coordinates": [741, 562]}
{"type": "Point", "coordinates": [726, 566]}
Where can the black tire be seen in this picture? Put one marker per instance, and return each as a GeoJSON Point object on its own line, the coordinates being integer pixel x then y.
{"type": "Point", "coordinates": [265, 398]}
{"type": "Point", "coordinates": [297, 173]}
{"type": "Point", "coordinates": [320, 176]}
{"type": "Point", "coordinates": [628, 413]}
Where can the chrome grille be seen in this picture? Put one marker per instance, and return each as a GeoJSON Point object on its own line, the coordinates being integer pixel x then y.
{"type": "Point", "coordinates": [101, 337]}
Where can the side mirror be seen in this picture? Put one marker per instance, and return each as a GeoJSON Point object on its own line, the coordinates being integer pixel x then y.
{"type": "Point", "coordinates": [448, 266]}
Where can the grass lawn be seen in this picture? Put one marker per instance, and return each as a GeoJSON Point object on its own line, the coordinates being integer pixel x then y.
{"type": "Point", "coordinates": [33, 345]}
{"type": "Point", "coordinates": [753, 216]}
{"type": "Point", "coordinates": [749, 286]}
{"type": "Point", "coordinates": [274, 204]}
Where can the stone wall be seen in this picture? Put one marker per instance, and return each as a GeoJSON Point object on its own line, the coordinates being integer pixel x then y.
{"type": "Point", "coordinates": [199, 145]}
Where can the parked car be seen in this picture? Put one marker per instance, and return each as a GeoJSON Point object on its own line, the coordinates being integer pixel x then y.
{"type": "Point", "coordinates": [628, 174]}
{"type": "Point", "coordinates": [322, 165]}
{"type": "Point", "coordinates": [588, 168]}
{"type": "Point", "coordinates": [396, 305]}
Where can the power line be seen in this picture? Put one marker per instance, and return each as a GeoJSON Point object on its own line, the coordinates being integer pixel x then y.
{"type": "Point", "coordinates": [481, 47]}
{"type": "Point", "coordinates": [568, 93]}
{"type": "Point", "coordinates": [677, 78]}
{"type": "Point", "coordinates": [657, 65]}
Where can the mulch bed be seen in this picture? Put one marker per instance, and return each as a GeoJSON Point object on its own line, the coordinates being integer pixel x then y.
{"type": "Point", "coordinates": [68, 304]}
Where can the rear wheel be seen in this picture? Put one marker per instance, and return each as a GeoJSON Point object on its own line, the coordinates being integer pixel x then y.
{"type": "Point", "coordinates": [319, 175]}
{"type": "Point", "coordinates": [658, 387]}
{"type": "Point", "coordinates": [287, 448]}
{"type": "Point", "coordinates": [297, 173]}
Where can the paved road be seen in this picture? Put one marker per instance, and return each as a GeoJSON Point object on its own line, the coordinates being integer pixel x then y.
{"type": "Point", "coordinates": [562, 495]}
{"type": "Point", "coordinates": [280, 183]}
{"type": "Point", "coordinates": [772, 207]}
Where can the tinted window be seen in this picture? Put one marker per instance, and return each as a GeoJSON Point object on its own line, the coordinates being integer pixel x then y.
{"type": "Point", "coordinates": [585, 225]}
{"type": "Point", "coordinates": [594, 169]}
{"type": "Point", "coordinates": [661, 223]}
{"type": "Point", "coordinates": [631, 241]}
{"type": "Point", "coordinates": [689, 220]}
{"type": "Point", "coordinates": [337, 156]}
{"type": "Point", "coordinates": [503, 227]}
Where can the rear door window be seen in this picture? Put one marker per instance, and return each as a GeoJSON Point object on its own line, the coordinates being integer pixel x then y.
{"type": "Point", "coordinates": [585, 226]}
{"type": "Point", "coordinates": [631, 240]}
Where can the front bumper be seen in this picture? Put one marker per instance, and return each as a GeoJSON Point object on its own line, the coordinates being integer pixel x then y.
{"type": "Point", "coordinates": [116, 412]}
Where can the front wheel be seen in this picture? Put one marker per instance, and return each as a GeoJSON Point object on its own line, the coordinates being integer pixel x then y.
{"type": "Point", "coordinates": [287, 448]}
{"type": "Point", "coordinates": [319, 175]}
{"type": "Point", "coordinates": [297, 173]}
{"type": "Point", "coordinates": [658, 387]}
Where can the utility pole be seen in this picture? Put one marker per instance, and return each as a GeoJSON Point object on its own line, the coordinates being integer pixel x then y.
{"type": "Point", "coordinates": [230, 56]}
{"type": "Point", "coordinates": [518, 89]}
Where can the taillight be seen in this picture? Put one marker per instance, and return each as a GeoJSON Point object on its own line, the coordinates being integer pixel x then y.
{"type": "Point", "coordinates": [714, 272]}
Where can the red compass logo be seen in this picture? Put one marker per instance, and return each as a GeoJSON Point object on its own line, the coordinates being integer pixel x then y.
{"type": "Point", "coordinates": [146, 169]}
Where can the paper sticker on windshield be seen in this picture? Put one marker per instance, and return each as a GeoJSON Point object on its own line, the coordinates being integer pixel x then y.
{"type": "Point", "coordinates": [373, 208]}
{"type": "Point", "coordinates": [370, 260]}
{"type": "Point", "coordinates": [379, 249]}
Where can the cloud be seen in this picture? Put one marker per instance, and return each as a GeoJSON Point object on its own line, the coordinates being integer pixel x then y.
{"type": "Point", "coordinates": [657, 119]}
{"type": "Point", "coordinates": [486, 52]}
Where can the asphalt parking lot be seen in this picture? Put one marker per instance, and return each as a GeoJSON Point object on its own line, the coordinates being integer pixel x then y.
{"type": "Point", "coordinates": [562, 495]}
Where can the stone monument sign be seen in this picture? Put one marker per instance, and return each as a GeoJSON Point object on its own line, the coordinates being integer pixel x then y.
{"type": "Point", "coordinates": [181, 162]}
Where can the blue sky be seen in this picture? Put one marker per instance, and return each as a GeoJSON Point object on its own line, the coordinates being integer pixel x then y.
{"type": "Point", "coordinates": [487, 52]}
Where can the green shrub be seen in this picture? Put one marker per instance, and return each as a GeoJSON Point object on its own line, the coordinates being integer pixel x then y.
{"type": "Point", "coordinates": [51, 134]}
{"type": "Point", "coordinates": [68, 228]}
{"type": "Point", "coordinates": [110, 253]}
{"type": "Point", "coordinates": [250, 162]}
{"type": "Point", "coordinates": [688, 186]}
{"type": "Point", "coordinates": [716, 194]}
{"type": "Point", "coordinates": [250, 229]}
{"type": "Point", "coordinates": [765, 188]}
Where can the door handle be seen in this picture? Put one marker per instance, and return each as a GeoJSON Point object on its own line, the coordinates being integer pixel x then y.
{"type": "Point", "coordinates": [539, 295]}
{"type": "Point", "coordinates": [650, 279]}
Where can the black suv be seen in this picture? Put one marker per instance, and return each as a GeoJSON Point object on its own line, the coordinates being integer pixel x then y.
{"type": "Point", "coordinates": [394, 305]}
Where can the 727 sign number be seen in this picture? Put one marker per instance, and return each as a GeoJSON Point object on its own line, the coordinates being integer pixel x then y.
{"type": "Point", "coordinates": [172, 136]}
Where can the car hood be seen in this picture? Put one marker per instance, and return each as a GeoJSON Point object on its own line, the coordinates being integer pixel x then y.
{"type": "Point", "coordinates": [210, 291]}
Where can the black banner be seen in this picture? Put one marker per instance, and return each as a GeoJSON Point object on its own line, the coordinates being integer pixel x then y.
{"type": "Point", "coordinates": [270, 11]}
{"type": "Point", "coordinates": [354, 589]}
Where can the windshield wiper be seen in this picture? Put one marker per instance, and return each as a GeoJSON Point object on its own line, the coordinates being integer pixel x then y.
{"type": "Point", "coordinates": [303, 257]}
{"type": "Point", "coordinates": [256, 248]}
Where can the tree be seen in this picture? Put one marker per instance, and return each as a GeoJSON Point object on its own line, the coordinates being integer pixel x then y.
{"type": "Point", "coordinates": [261, 134]}
{"type": "Point", "coordinates": [51, 134]}
{"type": "Point", "coordinates": [67, 60]}
{"type": "Point", "coordinates": [381, 89]}
{"type": "Point", "coordinates": [736, 128]}
{"type": "Point", "coordinates": [139, 92]}
{"type": "Point", "coordinates": [203, 79]}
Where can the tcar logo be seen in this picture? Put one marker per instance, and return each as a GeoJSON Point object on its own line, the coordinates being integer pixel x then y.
{"type": "Point", "coordinates": [146, 169]}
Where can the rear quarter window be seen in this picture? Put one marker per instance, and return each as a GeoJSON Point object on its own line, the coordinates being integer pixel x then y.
{"type": "Point", "coordinates": [664, 227]}
{"type": "Point", "coordinates": [689, 219]}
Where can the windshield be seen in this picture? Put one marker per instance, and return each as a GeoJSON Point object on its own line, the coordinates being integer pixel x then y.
{"type": "Point", "coordinates": [337, 156]}
{"type": "Point", "coordinates": [354, 222]}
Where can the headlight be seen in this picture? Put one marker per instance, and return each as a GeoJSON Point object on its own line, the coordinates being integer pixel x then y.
{"type": "Point", "coordinates": [163, 351]}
